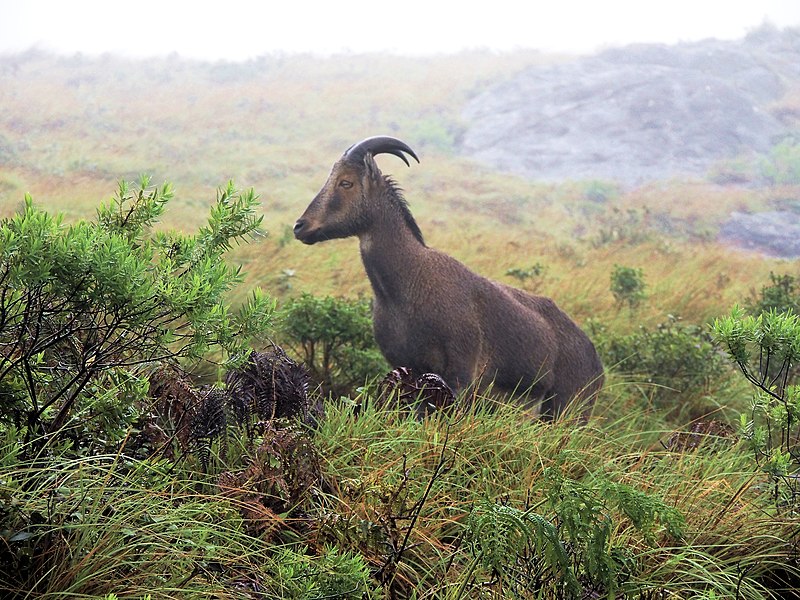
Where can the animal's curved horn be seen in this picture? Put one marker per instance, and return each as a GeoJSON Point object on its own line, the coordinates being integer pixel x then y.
{"type": "Point", "coordinates": [380, 144]}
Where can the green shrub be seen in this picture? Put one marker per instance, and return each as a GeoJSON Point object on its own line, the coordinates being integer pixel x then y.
{"type": "Point", "coordinates": [333, 337]}
{"type": "Point", "coordinates": [501, 537]}
{"type": "Point", "coordinates": [530, 278]}
{"type": "Point", "coordinates": [674, 357]}
{"type": "Point", "coordinates": [631, 226]}
{"type": "Point", "coordinates": [783, 164]}
{"type": "Point", "coordinates": [86, 309]}
{"type": "Point", "coordinates": [627, 285]}
{"type": "Point", "coordinates": [333, 574]}
{"type": "Point", "coordinates": [780, 295]}
{"type": "Point", "coordinates": [766, 348]}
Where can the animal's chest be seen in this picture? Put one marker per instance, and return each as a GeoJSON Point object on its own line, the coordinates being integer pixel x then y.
{"type": "Point", "coordinates": [393, 331]}
{"type": "Point", "coordinates": [406, 339]}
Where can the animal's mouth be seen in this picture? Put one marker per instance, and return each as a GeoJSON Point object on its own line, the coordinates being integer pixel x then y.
{"type": "Point", "coordinates": [304, 233]}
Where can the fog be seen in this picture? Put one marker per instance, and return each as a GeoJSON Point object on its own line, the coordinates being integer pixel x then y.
{"type": "Point", "coordinates": [240, 29]}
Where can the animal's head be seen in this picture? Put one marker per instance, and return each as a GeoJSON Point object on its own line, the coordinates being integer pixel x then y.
{"type": "Point", "coordinates": [350, 198]}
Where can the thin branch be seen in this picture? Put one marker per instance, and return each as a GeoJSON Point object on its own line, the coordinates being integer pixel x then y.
{"type": "Point", "coordinates": [416, 510]}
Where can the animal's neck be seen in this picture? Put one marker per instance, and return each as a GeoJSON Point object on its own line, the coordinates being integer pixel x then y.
{"type": "Point", "coordinates": [392, 257]}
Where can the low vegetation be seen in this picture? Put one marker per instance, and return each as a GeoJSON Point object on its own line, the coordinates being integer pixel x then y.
{"type": "Point", "coordinates": [333, 338]}
{"type": "Point", "coordinates": [148, 452]}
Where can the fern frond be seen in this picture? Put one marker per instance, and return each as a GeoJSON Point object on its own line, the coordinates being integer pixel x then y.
{"type": "Point", "coordinates": [500, 536]}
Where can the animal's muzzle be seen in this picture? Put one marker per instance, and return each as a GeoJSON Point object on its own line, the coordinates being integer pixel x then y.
{"type": "Point", "coordinates": [303, 233]}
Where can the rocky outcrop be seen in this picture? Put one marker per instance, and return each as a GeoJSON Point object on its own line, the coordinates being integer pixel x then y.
{"type": "Point", "coordinates": [637, 113]}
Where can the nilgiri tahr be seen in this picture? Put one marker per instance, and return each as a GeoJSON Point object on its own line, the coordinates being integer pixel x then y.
{"type": "Point", "coordinates": [433, 314]}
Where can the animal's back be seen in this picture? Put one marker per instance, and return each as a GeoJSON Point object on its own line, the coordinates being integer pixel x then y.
{"type": "Point", "coordinates": [467, 327]}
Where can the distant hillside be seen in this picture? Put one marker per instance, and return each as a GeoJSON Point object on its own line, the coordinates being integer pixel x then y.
{"type": "Point", "coordinates": [72, 126]}
{"type": "Point", "coordinates": [641, 112]}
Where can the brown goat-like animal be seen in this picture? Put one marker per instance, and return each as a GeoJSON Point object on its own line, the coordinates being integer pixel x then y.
{"type": "Point", "coordinates": [431, 313]}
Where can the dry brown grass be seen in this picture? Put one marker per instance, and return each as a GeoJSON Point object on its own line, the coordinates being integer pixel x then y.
{"type": "Point", "coordinates": [73, 127]}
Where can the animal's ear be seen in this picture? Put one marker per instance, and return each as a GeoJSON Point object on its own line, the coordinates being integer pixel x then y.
{"type": "Point", "coordinates": [371, 169]}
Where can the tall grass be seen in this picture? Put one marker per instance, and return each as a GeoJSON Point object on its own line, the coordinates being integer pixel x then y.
{"type": "Point", "coordinates": [105, 524]}
{"type": "Point", "coordinates": [382, 465]}
{"type": "Point", "coordinates": [398, 497]}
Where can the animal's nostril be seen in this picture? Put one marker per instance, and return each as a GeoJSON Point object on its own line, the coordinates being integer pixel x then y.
{"type": "Point", "coordinates": [298, 227]}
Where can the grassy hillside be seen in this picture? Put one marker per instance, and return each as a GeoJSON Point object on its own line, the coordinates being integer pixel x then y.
{"type": "Point", "coordinates": [72, 127]}
{"type": "Point", "coordinates": [383, 505]}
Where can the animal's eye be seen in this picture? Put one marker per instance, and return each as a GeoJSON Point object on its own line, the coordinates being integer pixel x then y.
{"type": "Point", "coordinates": [346, 184]}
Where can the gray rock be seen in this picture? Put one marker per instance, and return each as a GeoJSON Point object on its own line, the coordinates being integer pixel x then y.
{"type": "Point", "coordinates": [638, 113]}
{"type": "Point", "coordinates": [775, 233]}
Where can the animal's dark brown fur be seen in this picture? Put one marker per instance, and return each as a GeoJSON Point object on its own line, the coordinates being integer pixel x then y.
{"type": "Point", "coordinates": [431, 313]}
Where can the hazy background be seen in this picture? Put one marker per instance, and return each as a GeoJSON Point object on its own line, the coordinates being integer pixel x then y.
{"type": "Point", "coordinates": [557, 116]}
{"type": "Point", "coordinates": [238, 29]}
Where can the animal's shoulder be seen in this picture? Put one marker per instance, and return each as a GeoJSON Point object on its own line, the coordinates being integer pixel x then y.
{"type": "Point", "coordinates": [436, 259]}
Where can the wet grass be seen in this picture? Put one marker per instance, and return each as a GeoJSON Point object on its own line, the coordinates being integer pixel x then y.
{"type": "Point", "coordinates": [70, 128]}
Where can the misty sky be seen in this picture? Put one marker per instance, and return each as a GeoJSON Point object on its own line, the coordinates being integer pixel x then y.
{"type": "Point", "coordinates": [240, 29]}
